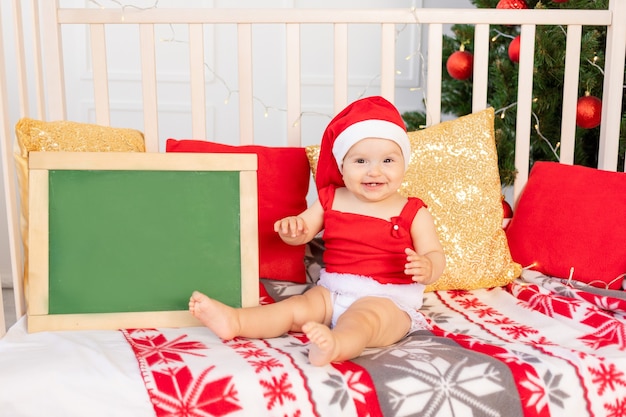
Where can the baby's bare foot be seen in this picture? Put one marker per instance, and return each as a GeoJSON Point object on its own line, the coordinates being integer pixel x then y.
{"type": "Point", "coordinates": [220, 318]}
{"type": "Point", "coordinates": [324, 346]}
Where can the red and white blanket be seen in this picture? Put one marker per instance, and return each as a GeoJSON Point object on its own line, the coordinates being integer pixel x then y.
{"type": "Point", "coordinates": [535, 348]}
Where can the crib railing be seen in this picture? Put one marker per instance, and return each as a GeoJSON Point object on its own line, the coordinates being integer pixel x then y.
{"type": "Point", "coordinates": [42, 90]}
{"type": "Point", "coordinates": [49, 69]}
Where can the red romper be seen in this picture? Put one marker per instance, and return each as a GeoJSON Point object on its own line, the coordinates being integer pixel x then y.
{"type": "Point", "coordinates": [365, 256]}
{"type": "Point", "coordinates": [368, 246]}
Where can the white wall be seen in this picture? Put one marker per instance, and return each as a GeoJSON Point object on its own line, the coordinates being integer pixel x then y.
{"type": "Point", "coordinates": [172, 61]}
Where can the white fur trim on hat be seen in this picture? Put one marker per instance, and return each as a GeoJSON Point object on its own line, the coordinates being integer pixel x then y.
{"type": "Point", "coordinates": [372, 128]}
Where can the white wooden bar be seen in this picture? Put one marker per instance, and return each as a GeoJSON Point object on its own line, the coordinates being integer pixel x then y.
{"type": "Point", "coordinates": [37, 63]}
{"type": "Point", "coordinates": [613, 89]}
{"type": "Point", "coordinates": [20, 60]}
{"type": "Point", "coordinates": [340, 57]}
{"type": "Point", "coordinates": [148, 85]}
{"type": "Point", "coordinates": [387, 62]}
{"type": "Point", "coordinates": [570, 95]}
{"type": "Point", "coordinates": [246, 98]}
{"type": "Point", "coordinates": [100, 74]}
{"type": "Point", "coordinates": [481, 67]}
{"type": "Point", "coordinates": [294, 82]}
{"type": "Point", "coordinates": [378, 16]}
{"type": "Point", "coordinates": [524, 107]}
{"type": "Point", "coordinates": [54, 99]}
{"type": "Point", "coordinates": [6, 150]}
{"type": "Point", "coordinates": [433, 83]}
{"type": "Point", "coordinates": [197, 81]}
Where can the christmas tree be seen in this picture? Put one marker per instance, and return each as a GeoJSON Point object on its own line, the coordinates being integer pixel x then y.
{"type": "Point", "coordinates": [547, 85]}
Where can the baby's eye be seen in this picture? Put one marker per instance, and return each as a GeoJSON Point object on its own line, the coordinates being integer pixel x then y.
{"type": "Point", "coordinates": [360, 161]}
{"type": "Point", "coordinates": [387, 160]}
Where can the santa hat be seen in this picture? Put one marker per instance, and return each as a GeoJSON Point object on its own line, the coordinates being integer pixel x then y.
{"type": "Point", "coordinates": [370, 117]}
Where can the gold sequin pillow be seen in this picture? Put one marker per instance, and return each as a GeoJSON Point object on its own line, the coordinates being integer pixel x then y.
{"type": "Point", "coordinates": [454, 169]}
{"type": "Point", "coordinates": [37, 135]}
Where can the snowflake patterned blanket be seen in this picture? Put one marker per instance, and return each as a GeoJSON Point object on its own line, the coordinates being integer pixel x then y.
{"type": "Point", "coordinates": [538, 347]}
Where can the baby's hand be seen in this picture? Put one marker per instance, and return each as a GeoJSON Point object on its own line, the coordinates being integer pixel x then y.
{"type": "Point", "coordinates": [290, 227]}
{"type": "Point", "coordinates": [419, 266]}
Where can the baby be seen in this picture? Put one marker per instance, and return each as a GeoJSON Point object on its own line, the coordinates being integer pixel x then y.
{"type": "Point", "coordinates": [382, 248]}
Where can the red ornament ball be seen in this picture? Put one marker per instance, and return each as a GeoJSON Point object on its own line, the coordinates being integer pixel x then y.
{"type": "Point", "coordinates": [506, 209]}
{"type": "Point", "coordinates": [507, 213]}
{"type": "Point", "coordinates": [460, 65]}
{"type": "Point", "coordinates": [514, 49]}
{"type": "Point", "coordinates": [588, 112]}
{"type": "Point", "coordinates": [511, 4]}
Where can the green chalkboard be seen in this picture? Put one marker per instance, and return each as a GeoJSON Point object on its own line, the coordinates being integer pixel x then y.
{"type": "Point", "coordinates": [142, 240]}
{"type": "Point", "coordinates": [121, 240]}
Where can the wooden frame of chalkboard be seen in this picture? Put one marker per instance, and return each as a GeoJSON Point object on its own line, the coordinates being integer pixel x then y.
{"type": "Point", "coordinates": [119, 240]}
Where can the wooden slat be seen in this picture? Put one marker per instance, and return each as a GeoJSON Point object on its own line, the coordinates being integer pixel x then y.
{"type": "Point", "coordinates": [433, 83]}
{"type": "Point", "coordinates": [131, 161]}
{"type": "Point", "coordinates": [340, 58]}
{"type": "Point", "coordinates": [100, 74]}
{"type": "Point", "coordinates": [6, 150]}
{"type": "Point", "coordinates": [570, 94]}
{"type": "Point", "coordinates": [480, 77]}
{"type": "Point", "coordinates": [149, 88]}
{"type": "Point", "coordinates": [246, 94]}
{"type": "Point", "coordinates": [524, 107]}
{"type": "Point", "coordinates": [249, 238]}
{"type": "Point", "coordinates": [294, 85]}
{"type": "Point", "coordinates": [10, 188]}
{"type": "Point", "coordinates": [613, 89]}
{"type": "Point", "coordinates": [388, 61]}
{"type": "Point", "coordinates": [378, 16]}
{"type": "Point", "coordinates": [20, 61]}
{"type": "Point", "coordinates": [197, 81]}
{"type": "Point", "coordinates": [38, 226]}
{"type": "Point", "coordinates": [37, 63]}
{"type": "Point", "coordinates": [52, 54]}
{"type": "Point", "coordinates": [111, 321]}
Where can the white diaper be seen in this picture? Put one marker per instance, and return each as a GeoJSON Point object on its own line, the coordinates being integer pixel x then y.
{"type": "Point", "coordinates": [345, 289]}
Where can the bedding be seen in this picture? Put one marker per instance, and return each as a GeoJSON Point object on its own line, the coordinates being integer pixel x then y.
{"type": "Point", "coordinates": [536, 347]}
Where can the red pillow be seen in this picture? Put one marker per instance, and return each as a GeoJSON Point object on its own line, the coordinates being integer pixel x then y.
{"type": "Point", "coordinates": [572, 216]}
{"type": "Point", "coordinates": [283, 183]}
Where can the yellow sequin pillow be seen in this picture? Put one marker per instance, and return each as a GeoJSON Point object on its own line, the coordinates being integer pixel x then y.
{"type": "Point", "coordinates": [37, 135]}
{"type": "Point", "coordinates": [454, 169]}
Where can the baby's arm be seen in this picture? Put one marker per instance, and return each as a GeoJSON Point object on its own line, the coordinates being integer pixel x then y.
{"type": "Point", "coordinates": [427, 264]}
{"type": "Point", "coordinates": [300, 229]}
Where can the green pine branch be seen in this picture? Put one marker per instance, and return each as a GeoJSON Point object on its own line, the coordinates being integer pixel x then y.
{"type": "Point", "coordinates": [547, 87]}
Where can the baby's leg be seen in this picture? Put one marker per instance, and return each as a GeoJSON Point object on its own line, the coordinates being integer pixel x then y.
{"type": "Point", "coordinates": [264, 321]}
{"type": "Point", "coordinates": [368, 322]}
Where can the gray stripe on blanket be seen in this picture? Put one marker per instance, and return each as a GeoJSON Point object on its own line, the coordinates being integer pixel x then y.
{"type": "Point", "coordinates": [439, 377]}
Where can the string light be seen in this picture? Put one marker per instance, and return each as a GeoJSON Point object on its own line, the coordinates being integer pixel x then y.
{"type": "Point", "coordinates": [123, 6]}
{"type": "Point", "coordinates": [594, 64]}
{"type": "Point", "coordinates": [570, 282]}
{"type": "Point", "coordinates": [266, 108]}
{"type": "Point", "coordinates": [498, 34]}
{"type": "Point", "coordinates": [554, 149]}
{"type": "Point", "coordinates": [413, 55]}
